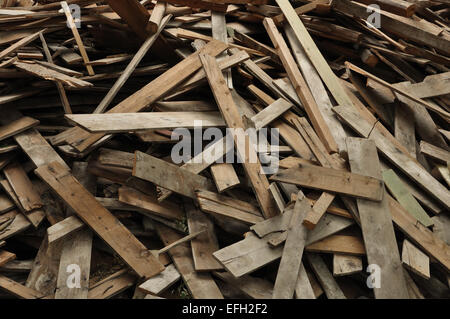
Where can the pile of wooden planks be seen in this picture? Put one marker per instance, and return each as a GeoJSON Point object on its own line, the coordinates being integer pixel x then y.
{"type": "Point", "coordinates": [224, 149]}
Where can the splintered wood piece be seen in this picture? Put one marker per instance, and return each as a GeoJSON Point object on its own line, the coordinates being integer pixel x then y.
{"type": "Point", "coordinates": [149, 203]}
{"type": "Point", "coordinates": [301, 87]}
{"type": "Point", "coordinates": [291, 257]}
{"type": "Point", "coordinates": [332, 180]}
{"type": "Point", "coordinates": [77, 37]}
{"type": "Point", "coordinates": [344, 265]}
{"type": "Point", "coordinates": [158, 284]}
{"type": "Point", "coordinates": [380, 242]}
{"type": "Point", "coordinates": [224, 176]}
{"type": "Point", "coordinates": [23, 187]}
{"type": "Point", "coordinates": [405, 128]}
{"type": "Point", "coordinates": [405, 198]}
{"type": "Point", "coordinates": [204, 245]}
{"type": "Point", "coordinates": [277, 197]}
{"type": "Point", "coordinates": [328, 283]}
{"type": "Point", "coordinates": [12, 223]}
{"type": "Point", "coordinates": [19, 44]}
{"type": "Point", "coordinates": [17, 126]}
{"type": "Point", "coordinates": [51, 75]}
{"type": "Point", "coordinates": [169, 176]}
{"type": "Point", "coordinates": [200, 285]}
{"type": "Point", "coordinates": [118, 237]}
{"type": "Point", "coordinates": [415, 260]}
{"type": "Point", "coordinates": [319, 208]}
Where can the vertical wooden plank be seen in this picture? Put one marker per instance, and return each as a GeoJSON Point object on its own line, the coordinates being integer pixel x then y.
{"type": "Point", "coordinates": [329, 285]}
{"type": "Point", "coordinates": [380, 242]}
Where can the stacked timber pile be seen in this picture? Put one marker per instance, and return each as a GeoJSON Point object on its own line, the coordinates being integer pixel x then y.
{"type": "Point", "coordinates": [100, 197]}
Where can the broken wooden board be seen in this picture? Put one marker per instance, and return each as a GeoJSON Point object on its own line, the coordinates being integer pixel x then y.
{"type": "Point", "coordinates": [380, 242]}
{"type": "Point", "coordinates": [344, 265]}
{"type": "Point", "coordinates": [332, 180]}
{"type": "Point", "coordinates": [415, 260]}
{"type": "Point", "coordinates": [169, 176]}
{"type": "Point", "coordinates": [162, 281]}
{"type": "Point", "coordinates": [102, 222]}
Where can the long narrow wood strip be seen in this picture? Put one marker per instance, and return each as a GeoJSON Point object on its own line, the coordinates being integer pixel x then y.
{"type": "Point", "coordinates": [291, 258]}
{"type": "Point", "coordinates": [5, 257]}
{"type": "Point", "coordinates": [77, 37]}
{"type": "Point", "coordinates": [102, 221]}
{"type": "Point", "coordinates": [19, 44]}
{"type": "Point", "coordinates": [17, 126]}
{"type": "Point", "coordinates": [329, 285]}
{"type": "Point", "coordinates": [300, 86]}
{"type": "Point", "coordinates": [317, 59]}
{"type": "Point", "coordinates": [131, 122]}
{"type": "Point", "coordinates": [137, 58]}
{"type": "Point", "coordinates": [18, 290]}
{"type": "Point", "coordinates": [380, 242]}
{"type": "Point", "coordinates": [246, 151]}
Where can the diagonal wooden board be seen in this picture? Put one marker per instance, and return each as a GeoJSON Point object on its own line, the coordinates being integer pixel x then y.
{"type": "Point", "coordinates": [376, 224]}
{"type": "Point", "coordinates": [106, 225]}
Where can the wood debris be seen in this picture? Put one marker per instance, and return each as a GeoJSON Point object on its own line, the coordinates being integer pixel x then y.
{"type": "Point", "coordinates": [266, 149]}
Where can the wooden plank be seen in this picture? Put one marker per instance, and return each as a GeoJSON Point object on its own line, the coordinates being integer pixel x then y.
{"type": "Point", "coordinates": [112, 285]}
{"type": "Point", "coordinates": [64, 228]}
{"type": "Point", "coordinates": [344, 265]}
{"type": "Point", "coordinates": [204, 245]}
{"type": "Point", "coordinates": [405, 129]}
{"type": "Point", "coordinates": [329, 285]}
{"type": "Point", "coordinates": [291, 257]}
{"type": "Point", "coordinates": [405, 198]}
{"type": "Point", "coordinates": [169, 176]}
{"type": "Point", "coordinates": [301, 87]}
{"type": "Point", "coordinates": [162, 281]}
{"type": "Point", "coordinates": [415, 260]}
{"type": "Point", "coordinates": [12, 223]}
{"type": "Point", "coordinates": [303, 288]}
{"type": "Point", "coordinates": [434, 152]}
{"type": "Point", "coordinates": [271, 113]}
{"type": "Point", "coordinates": [219, 32]}
{"type": "Point", "coordinates": [246, 151]}
{"type": "Point", "coordinates": [277, 197]}
{"type": "Point", "coordinates": [404, 162]}
{"type": "Point", "coordinates": [332, 180]}
{"type": "Point", "coordinates": [224, 176]}
{"type": "Point", "coordinates": [150, 203]}
{"type": "Point", "coordinates": [329, 78]}
{"type": "Point", "coordinates": [77, 37]}
{"type": "Point", "coordinates": [253, 287]}
{"type": "Point", "coordinates": [317, 88]}
{"type": "Point", "coordinates": [18, 290]}
{"type": "Point", "coordinates": [130, 122]}
{"type": "Point", "coordinates": [102, 221]}
{"type": "Point", "coordinates": [17, 126]}
{"type": "Point", "coordinates": [200, 285]}
{"type": "Point", "coordinates": [380, 242]}
{"type": "Point", "coordinates": [350, 245]}
{"type": "Point", "coordinates": [5, 257]}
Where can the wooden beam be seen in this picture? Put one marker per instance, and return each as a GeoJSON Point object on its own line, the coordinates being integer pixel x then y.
{"type": "Point", "coordinates": [102, 221]}
{"type": "Point", "coordinates": [380, 242]}
{"type": "Point", "coordinates": [415, 260]}
{"type": "Point", "coordinates": [244, 148]}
